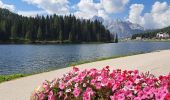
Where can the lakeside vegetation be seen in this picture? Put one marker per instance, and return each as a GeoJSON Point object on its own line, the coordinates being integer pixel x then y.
{"type": "Point", "coordinates": [61, 29]}
{"type": "Point", "coordinates": [4, 78]}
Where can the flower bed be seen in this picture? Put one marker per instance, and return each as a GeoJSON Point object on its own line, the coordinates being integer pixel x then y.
{"type": "Point", "coordinates": [104, 84]}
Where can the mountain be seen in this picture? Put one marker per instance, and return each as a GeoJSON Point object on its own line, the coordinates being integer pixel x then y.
{"type": "Point", "coordinates": [124, 29]}
{"type": "Point", "coordinates": [100, 19]}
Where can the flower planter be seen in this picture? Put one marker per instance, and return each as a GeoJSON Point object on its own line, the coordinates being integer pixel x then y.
{"type": "Point", "coordinates": [104, 84]}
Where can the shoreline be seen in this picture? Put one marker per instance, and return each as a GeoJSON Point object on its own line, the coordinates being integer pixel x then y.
{"type": "Point", "coordinates": [52, 42]}
{"type": "Point", "coordinates": [156, 62]}
{"type": "Point", "coordinates": [11, 77]}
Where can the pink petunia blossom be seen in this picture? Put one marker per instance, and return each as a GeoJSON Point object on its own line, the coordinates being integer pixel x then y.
{"type": "Point", "coordinates": [76, 92]}
{"type": "Point", "coordinates": [98, 85]}
{"type": "Point", "coordinates": [51, 96]}
{"type": "Point", "coordinates": [114, 85]}
{"type": "Point", "coordinates": [61, 86]}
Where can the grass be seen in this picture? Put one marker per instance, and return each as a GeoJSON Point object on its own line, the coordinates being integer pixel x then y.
{"type": "Point", "coordinates": [4, 78]}
{"type": "Point", "coordinates": [100, 59]}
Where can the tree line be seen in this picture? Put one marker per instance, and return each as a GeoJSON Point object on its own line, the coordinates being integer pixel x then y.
{"type": "Point", "coordinates": [151, 33]}
{"type": "Point", "coordinates": [51, 28]}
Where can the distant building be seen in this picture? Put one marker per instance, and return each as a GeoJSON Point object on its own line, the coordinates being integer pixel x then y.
{"type": "Point", "coordinates": [138, 38]}
{"type": "Point", "coordinates": [162, 35]}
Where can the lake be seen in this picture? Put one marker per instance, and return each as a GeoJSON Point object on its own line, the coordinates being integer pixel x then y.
{"type": "Point", "coordinates": [34, 58]}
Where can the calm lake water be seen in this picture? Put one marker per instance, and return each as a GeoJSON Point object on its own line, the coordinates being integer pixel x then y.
{"type": "Point", "coordinates": [39, 58]}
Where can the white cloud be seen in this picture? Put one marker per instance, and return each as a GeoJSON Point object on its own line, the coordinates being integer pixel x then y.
{"type": "Point", "coordinates": [7, 6]}
{"type": "Point", "coordinates": [135, 13]}
{"type": "Point", "coordinates": [84, 8]}
{"type": "Point", "coordinates": [158, 17]}
{"type": "Point", "coordinates": [159, 7]}
{"type": "Point", "coordinates": [88, 8]}
{"type": "Point", "coordinates": [24, 13]}
{"type": "Point", "coordinates": [59, 7]}
{"type": "Point", "coordinates": [114, 6]}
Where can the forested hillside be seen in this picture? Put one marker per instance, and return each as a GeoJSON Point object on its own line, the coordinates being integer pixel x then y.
{"type": "Point", "coordinates": [14, 27]}
{"type": "Point", "coordinates": [151, 33]}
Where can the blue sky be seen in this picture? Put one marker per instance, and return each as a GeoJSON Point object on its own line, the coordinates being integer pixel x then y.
{"type": "Point", "coordinates": [143, 12]}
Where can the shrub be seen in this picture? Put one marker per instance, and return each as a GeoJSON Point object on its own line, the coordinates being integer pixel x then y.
{"type": "Point", "coordinates": [104, 84]}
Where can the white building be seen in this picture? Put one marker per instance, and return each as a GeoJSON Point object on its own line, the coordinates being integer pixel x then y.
{"type": "Point", "coordinates": [162, 35]}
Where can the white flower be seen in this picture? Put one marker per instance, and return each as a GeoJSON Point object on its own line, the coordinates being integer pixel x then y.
{"type": "Point", "coordinates": [68, 90]}
{"type": "Point", "coordinates": [84, 84]}
{"type": "Point", "coordinates": [137, 81]}
{"type": "Point", "coordinates": [99, 78]}
{"type": "Point", "coordinates": [76, 85]}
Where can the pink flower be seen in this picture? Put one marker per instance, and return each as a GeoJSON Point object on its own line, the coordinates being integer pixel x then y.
{"type": "Point", "coordinates": [112, 97]}
{"type": "Point", "coordinates": [89, 91]}
{"type": "Point", "coordinates": [136, 72]}
{"type": "Point", "coordinates": [115, 86]}
{"type": "Point", "coordinates": [76, 92]}
{"type": "Point", "coordinates": [61, 86]}
{"type": "Point", "coordinates": [167, 96]}
{"type": "Point", "coordinates": [92, 83]}
{"type": "Point", "coordinates": [75, 69]}
{"type": "Point", "coordinates": [137, 98]}
{"type": "Point", "coordinates": [60, 94]}
{"type": "Point", "coordinates": [119, 78]}
{"type": "Point", "coordinates": [46, 87]}
{"type": "Point", "coordinates": [129, 84]}
{"type": "Point", "coordinates": [93, 72]}
{"type": "Point", "coordinates": [41, 96]}
{"type": "Point", "coordinates": [86, 96]}
{"type": "Point", "coordinates": [65, 98]}
{"type": "Point", "coordinates": [51, 96]}
{"type": "Point", "coordinates": [159, 97]}
{"type": "Point", "coordinates": [140, 94]}
{"type": "Point", "coordinates": [104, 82]}
{"type": "Point", "coordinates": [98, 85]}
{"type": "Point", "coordinates": [121, 96]}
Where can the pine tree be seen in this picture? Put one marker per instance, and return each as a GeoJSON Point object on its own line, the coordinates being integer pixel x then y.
{"type": "Point", "coordinates": [116, 38]}
{"type": "Point", "coordinates": [40, 34]}
{"type": "Point", "coordinates": [28, 36]}
{"type": "Point", "coordinates": [53, 27]}
{"type": "Point", "coordinates": [13, 32]}
{"type": "Point", "coordinates": [60, 36]}
{"type": "Point", "coordinates": [70, 37]}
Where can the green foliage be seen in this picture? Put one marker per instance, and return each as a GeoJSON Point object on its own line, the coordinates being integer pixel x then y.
{"type": "Point", "coordinates": [51, 28]}
{"type": "Point", "coordinates": [40, 34]}
{"type": "Point", "coordinates": [116, 38]}
{"type": "Point", "coordinates": [60, 36]}
{"type": "Point", "coordinates": [13, 32]}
